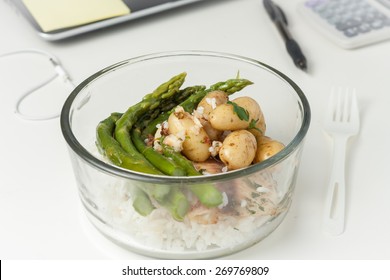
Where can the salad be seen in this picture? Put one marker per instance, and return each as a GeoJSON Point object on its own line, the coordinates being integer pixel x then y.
{"type": "Point", "coordinates": [192, 131]}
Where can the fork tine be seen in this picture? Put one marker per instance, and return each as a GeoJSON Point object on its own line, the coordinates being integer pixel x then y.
{"type": "Point", "coordinates": [337, 103]}
{"type": "Point", "coordinates": [339, 106]}
{"type": "Point", "coordinates": [346, 112]}
{"type": "Point", "coordinates": [342, 106]}
{"type": "Point", "coordinates": [341, 101]}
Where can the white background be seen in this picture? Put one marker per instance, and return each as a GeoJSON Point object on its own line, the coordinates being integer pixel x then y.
{"type": "Point", "coordinates": [40, 213]}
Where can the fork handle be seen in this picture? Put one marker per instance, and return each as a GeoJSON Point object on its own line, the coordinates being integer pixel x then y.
{"type": "Point", "coordinates": [334, 214]}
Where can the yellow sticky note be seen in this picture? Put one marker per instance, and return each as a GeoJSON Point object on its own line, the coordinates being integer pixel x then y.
{"type": "Point", "coordinates": [57, 14]}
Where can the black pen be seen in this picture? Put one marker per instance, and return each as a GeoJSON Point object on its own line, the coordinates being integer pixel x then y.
{"type": "Point", "coordinates": [279, 19]}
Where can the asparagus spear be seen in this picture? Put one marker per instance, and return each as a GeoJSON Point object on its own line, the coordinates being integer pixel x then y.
{"type": "Point", "coordinates": [149, 102]}
{"type": "Point", "coordinates": [207, 194]}
{"type": "Point", "coordinates": [161, 162]}
{"type": "Point", "coordinates": [229, 86]}
{"type": "Point", "coordinates": [181, 160]}
{"type": "Point", "coordinates": [113, 150]}
{"type": "Point", "coordinates": [141, 202]}
{"type": "Point", "coordinates": [176, 203]}
{"type": "Point", "coordinates": [165, 107]}
{"type": "Point", "coordinates": [165, 195]}
{"type": "Point", "coordinates": [115, 153]}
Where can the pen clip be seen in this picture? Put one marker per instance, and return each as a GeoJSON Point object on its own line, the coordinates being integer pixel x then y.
{"type": "Point", "coordinates": [269, 7]}
{"type": "Point", "coordinates": [282, 14]}
{"type": "Point", "coordinates": [274, 11]}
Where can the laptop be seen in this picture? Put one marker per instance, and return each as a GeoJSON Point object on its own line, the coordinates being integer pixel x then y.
{"type": "Point", "coordinates": [60, 19]}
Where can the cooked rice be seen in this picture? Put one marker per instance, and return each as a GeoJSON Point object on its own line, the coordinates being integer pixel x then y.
{"type": "Point", "coordinates": [160, 231]}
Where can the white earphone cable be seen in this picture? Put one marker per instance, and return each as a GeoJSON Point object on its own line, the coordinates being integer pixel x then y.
{"type": "Point", "coordinates": [60, 73]}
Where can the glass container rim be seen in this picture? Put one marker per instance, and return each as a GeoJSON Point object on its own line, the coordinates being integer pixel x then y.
{"type": "Point", "coordinates": [81, 151]}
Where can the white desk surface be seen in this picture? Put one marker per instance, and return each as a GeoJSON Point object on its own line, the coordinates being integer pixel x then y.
{"type": "Point", "coordinates": [40, 213]}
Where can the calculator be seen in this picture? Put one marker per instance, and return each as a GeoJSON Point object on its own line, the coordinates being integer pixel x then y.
{"type": "Point", "coordinates": [349, 23]}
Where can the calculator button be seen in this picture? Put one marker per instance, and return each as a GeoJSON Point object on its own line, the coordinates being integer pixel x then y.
{"type": "Point", "coordinates": [334, 19]}
{"type": "Point", "coordinates": [351, 32]}
{"type": "Point", "coordinates": [344, 25]}
{"type": "Point", "coordinates": [358, 18]}
{"type": "Point", "coordinates": [338, 10]}
{"type": "Point", "coordinates": [369, 17]}
{"type": "Point", "coordinates": [364, 28]}
{"type": "Point", "coordinates": [377, 24]}
{"type": "Point", "coordinates": [347, 15]}
{"type": "Point", "coordinates": [326, 14]}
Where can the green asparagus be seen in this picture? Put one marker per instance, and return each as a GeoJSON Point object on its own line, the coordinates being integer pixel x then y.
{"type": "Point", "coordinates": [141, 202]}
{"type": "Point", "coordinates": [161, 162]}
{"type": "Point", "coordinates": [114, 151]}
{"type": "Point", "coordinates": [207, 194]}
{"type": "Point", "coordinates": [149, 102]}
{"type": "Point", "coordinates": [166, 105]}
{"type": "Point", "coordinates": [181, 160]}
{"type": "Point", "coordinates": [229, 86]}
{"type": "Point", "coordinates": [176, 203]}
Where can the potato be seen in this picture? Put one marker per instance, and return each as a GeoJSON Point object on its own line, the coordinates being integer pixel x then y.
{"type": "Point", "coordinates": [238, 149]}
{"type": "Point", "coordinates": [224, 117]}
{"type": "Point", "coordinates": [213, 133]}
{"type": "Point", "coordinates": [196, 141]}
{"type": "Point", "coordinates": [211, 101]}
{"type": "Point", "coordinates": [206, 106]}
{"type": "Point", "coordinates": [260, 127]}
{"type": "Point", "coordinates": [266, 148]}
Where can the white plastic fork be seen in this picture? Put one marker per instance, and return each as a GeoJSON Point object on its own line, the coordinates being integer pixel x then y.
{"type": "Point", "coordinates": [341, 122]}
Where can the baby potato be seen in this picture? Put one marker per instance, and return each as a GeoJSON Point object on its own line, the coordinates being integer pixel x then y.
{"type": "Point", "coordinates": [259, 129]}
{"type": "Point", "coordinates": [211, 101]}
{"type": "Point", "coordinates": [238, 149]}
{"type": "Point", "coordinates": [196, 141]}
{"type": "Point", "coordinates": [208, 104]}
{"type": "Point", "coordinates": [266, 148]}
{"type": "Point", "coordinates": [213, 133]}
{"type": "Point", "coordinates": [224, 116]}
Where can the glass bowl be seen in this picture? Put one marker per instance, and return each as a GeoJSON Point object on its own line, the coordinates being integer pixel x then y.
{"type": "Point", "coordinates": [255, 198]}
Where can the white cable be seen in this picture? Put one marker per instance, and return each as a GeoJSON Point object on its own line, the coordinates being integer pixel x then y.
{"type": "Point", "coordinates": [60, 73]}
{"type": "Point", "coordinates": [27, 93]}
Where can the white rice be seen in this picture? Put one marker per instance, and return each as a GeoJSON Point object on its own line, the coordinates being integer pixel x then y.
{"type": "Point", "coordinates": [160, 230]}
